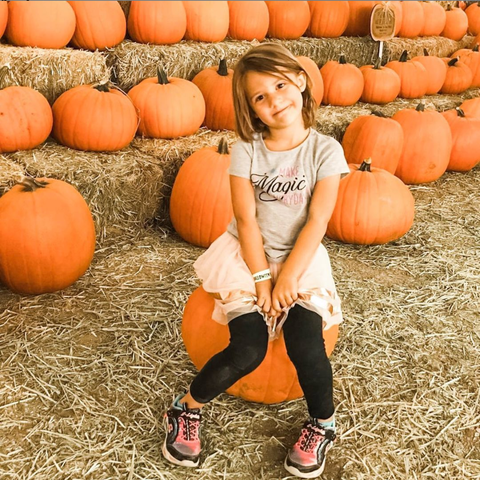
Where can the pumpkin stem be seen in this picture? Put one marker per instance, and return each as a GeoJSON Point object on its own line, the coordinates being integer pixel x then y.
{"type": "Point", "coordinates": [222, 68]}
{"type": "Point", "coordinates": [223, 146]}
{"type": "Point", "coordinates": [377, 113]}
{"type": "Point", "coordinates": [162, 76]}
{"type": "Point", "coordinates": [102, 87]}
{"type": "Point", "coordinates": [425, 52]}
{"type": "Point", "coordinates": [420, 107]}
{"type": "Point", "coordinates": [365, 166]}
{"type": "Point", "coordinates": [475, 48]}
{"type": "Point", "coordinates": [30, 184]}
{"type": "Point", "coordinates": [460, 112]}
{"type": "Point", "coordinates": [403, 56]}
{"type": "Point", "coordinates": [453, 61]}
{"type": "Point", "coordinates": [449, 8]}
{"type": "Point", "coordinates": [378, 64]}
{"type": "Point", "coordinates": [342, 60]}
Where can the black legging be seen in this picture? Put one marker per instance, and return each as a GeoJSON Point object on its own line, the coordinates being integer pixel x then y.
{"type": "Point", "coordinates": [248, 346]}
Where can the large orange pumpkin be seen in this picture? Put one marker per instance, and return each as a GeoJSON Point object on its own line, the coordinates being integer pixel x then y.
{"type": "Point", "coordinates": [47, 236]}
{"type": "Point", "coordinates": [456, 24]}
{"type": "Point", "coordinates": [380, 84]}
{"type": "Point", "coordinates": [473, 15]}
{"type": "Point", "coordinates": [160, 22]}
{"type": "Point", "coordinates": [25, 119]}
{"type": "Point", "coordinates": [471, 107]}
{"type": "Point", "coordinates": [328, 19]}
{"type": "Point", "coordinates": [215, 83]}
{"type": "Point", "coordinates": [168, 107]}
{"type": "Point", "coordinates": [44, 24]}
{"type": "Point", "coordinates": [315, 76]}
{"type": "Point", "coordinates": [274, 381]}
{"type": "Point", "coordinates": [207, 21]}
{"type": "Point", "coordinates": [434, 19]}
{"type": "Point", "coordinates": [471, 58]}
{"type": "Point", "coordinates": [413, 76]}
{"type": "Point", "coordinates": [94, 118]}
{"type": "Point", "coordinates": [373, 207]}
{"type": "Point", "coordinates": [3, 17]}
{"type": "Point", "coordinates": [248, 20]}
{"type": "Point", "coordinates": [436, 71]}
{"type": "Point", "coordinates": [413, 19]}
{"type": "Point", "coordinates": [376, 137]}
{"type": "Point", "coordinates": [201, 205]}
{"type": "Point", "coordinates": [359, 19]}
{"type": "Point", "coordinates": [100, 24]}
{"type": "Point", "coordinates": [426, 146]}
{"type": "Point", "coordinates": [288, 20]}
{"type": "Point", "coordinates": [459, 76]}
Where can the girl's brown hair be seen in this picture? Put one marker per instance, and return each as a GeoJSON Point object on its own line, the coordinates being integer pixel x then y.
{"type": "Point", "coordinates": [266, 58]}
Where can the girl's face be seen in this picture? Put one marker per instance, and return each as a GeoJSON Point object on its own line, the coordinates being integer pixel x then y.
{"type": "Point", "coordinates": [277, 102]}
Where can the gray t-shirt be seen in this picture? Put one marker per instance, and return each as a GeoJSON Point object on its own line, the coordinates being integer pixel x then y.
{"type": "Point", "coordinates": [283, 183]}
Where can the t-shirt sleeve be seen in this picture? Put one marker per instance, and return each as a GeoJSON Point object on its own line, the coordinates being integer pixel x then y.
{"type": "Point", "coordinates": [241, 159]}
{"type": "Point", "coordinates": [331, 160]}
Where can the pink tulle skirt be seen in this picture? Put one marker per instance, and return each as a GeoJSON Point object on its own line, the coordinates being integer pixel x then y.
{"type": "Point", "coordinates": [226, 277]}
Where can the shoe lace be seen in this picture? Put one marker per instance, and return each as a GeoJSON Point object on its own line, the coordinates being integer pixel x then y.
{"type": "Point", "coordinates": [189, 426]}
{"type": "Point", "coordinates": [311, 437]}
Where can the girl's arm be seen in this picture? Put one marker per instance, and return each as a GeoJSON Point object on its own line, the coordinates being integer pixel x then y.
{"type": "Point", "coordinates": [321, 208]}
{"type": "Point", "coordinates": [250, 238]}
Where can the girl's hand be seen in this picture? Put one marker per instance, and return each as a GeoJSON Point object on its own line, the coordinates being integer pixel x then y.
{"type": "Point", "coordinates": [285, 292]}
{"type": "Point", "coordinates": [264, 296]}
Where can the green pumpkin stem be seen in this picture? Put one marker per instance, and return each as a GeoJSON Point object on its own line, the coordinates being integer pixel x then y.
{"type": "Point", "coordinates": [342, 60]}
{"type": "Point", "coordinates": [223, 147]}
{"type": "Point", "coordinates": [162, 76]}
{"type": "Point", "coordinates": [425, 52]}
{"type": "Point", "coordinates": [102, 87]}
{"type": "Point", "coordinates": [403, 56]}
{"type": "Point", "coordinates": [365, 166]}
{"type": "Point", "coordinates": [453, 61]}
{"type": "Point", "coordinates": [222, 68]}
{"type": "Point", "coordinates": [30, 184]}
{"type": "Point", "coordinates": [378, 64]}
{"type": "Point", "coordinates": [460, 112]}
{"type": "Point", "coordinates": [420, 107]}
{"type": "Point", "coordinates": [377, 113]}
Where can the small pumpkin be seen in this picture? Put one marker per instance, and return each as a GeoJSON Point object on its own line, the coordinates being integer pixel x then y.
{"type": "Point", "coordinates": [288, 19]}
{"type": "Point", "coordinates": [342, 81]}
{"type": "Point", "coordinates": [43, 24]}
{"type": "Point", "coordinates": [248, 20]}
{"type": "Point", "coordinates": [47, 236]}
{"type": "Point", "coordinates": [436, 71]}
{"type": "Point", "coordinates": [456, 24]}
{"type": "Point", "coordinates": [413, 19]}
{"type": "Point", "coordinates": [471, 107]}
{"type": "Point", "coordinates": [381, 84]}
{"type": "Point", "coordinates": [274, 381]}
{"type": "Point", "coordinates": [373, 207]}
{"type": "Point", "coordinates": [434, 19]}
{"type": "Point", "coordinates": [376, 137]}
{"type": "Point", "coordinates": [426, 146]}
{"type": "Point", "coordinates": [207, 21]}
{"type": "Point", "coordinates": [159, 23]}
{"type": "Point", "coordinates": [413, 76]}
{"type": "Point", "coordinates": [201, 205]}
{"type": "Point", "coordinates": [215, 83]}
{"type": "Point", "coordinates": [3, 17]}
{"type": "Point", "coordinates": [472, 59]}
{"type": "Point", "coordinates": [169, 107]}
{"type": "Point", "coordinates": [99, 24]}
{"type": "Point", "coordinates": [94, 118]}
{"type": "Point", "coordinates": [315, 76]}
{"type": "Point", "coordinates": [25, 119]}
{"type": "Point", "coordinates": [328, 19]}
{"type": "Point", "coordinates": [459, 76]}
{"type": "Point", "coordinates": [465, 130]}
{"type": "Point", "coordinates": [359, 19]}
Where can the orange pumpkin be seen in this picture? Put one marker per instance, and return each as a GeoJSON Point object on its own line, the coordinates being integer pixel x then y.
{"type": "Point", "coordinates": [471, 58]}
{"type": "Point", "coordinates": [459, 76]}
{"type": "Point", "coordinates": [413, 76]}
{"type": "Point", "coordinates": [160, 22]}
{"type": "Point", "coordinates": [274, 381]}
{"type": "Point", "coordinates": [215, 83]}
{"type": "Point", "coordinates": [168, 107]}
{"type": "Point", "coordinates": [436, 71]}
{"type": "Point", "coordinates": [94, 118]}
{"type": "Point", "coordinates": [465, 137]}
{"type": "Point", "coordinates": [328, 19]}
{"type": "Point", "coordinates": [359, 19]}
{"type": "Point", "coordinates": [373, 207]}
{"type": "Point", "coordinates": [471, 107]}
{"type": "Point", "coordinates": [47, 236]}
{"type": "Point", "coordinates": [376, 137]}
{"type": "Point", "coordinates": [456, 24]}
{"type": "Point", "coordinates": [342, 81]}
{"type": "Point", "coordinates": [43, 24]}
{"type": "Point", "coordinates": [201, 205]}
{"type": "Point", "coordinates": [397, 6]}
{"type": "Point", "coordinates": [288, 19]}
{"type": "Point", "coordinates": [248, 20]}
{"type": "Point", "coordinates": [315, 76]}
{"type": "Point", "coordinates": [3, 17]}
{"type": "Point", "coordinates": [100, 24]}
{"type": "Point", "coordinates": [434, 19]}
{"type": "Point", "coordinates": [426, 147]}
{"type": "Point", "coordinates": [25, 119]}
{"type": "Point", "coordinates": [380, 84]}
{"type": "Point", "coordinates": [413, 19]}
{"type": "Point", "coordinates": [207, 21]}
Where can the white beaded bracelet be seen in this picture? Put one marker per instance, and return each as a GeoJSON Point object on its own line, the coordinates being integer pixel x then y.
{"type": "Point", "coordinates": [261, 276]}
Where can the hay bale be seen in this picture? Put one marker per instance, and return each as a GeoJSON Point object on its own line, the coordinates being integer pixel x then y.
{"type": "Point", "coordinates": [51, 71]}
{"type": "Point", "coordinates": [10, 174]}
{"type": "Point", "coordinates": [122, 188]}
{"type": "Point", "coordinates": [132, 62]}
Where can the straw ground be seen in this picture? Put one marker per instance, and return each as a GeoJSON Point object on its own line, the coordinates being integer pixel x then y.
{"type": "Point", "coordinates": [87, 373]}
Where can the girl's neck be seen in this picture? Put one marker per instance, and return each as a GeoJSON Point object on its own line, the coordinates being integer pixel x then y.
{"type": "Point", "coordinates": [285, 139]}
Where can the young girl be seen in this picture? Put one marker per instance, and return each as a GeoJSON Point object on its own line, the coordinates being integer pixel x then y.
{"type": "Point", "coordinates": [269, 271]}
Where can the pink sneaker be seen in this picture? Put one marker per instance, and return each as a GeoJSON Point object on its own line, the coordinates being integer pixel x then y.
{"type": "Point", "coordinates": [182, 442]}
{"type": "Point", "coordinates": [307, 457]}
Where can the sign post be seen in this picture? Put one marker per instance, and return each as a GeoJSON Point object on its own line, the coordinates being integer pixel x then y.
{"type": "Point", "coordinates": [382, 25]}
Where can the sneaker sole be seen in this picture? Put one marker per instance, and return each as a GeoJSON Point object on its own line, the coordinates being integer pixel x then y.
{"type": "Point", "coordinates": [297, 473]}
{"type": "Point", "coordinates": [183, 463]}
